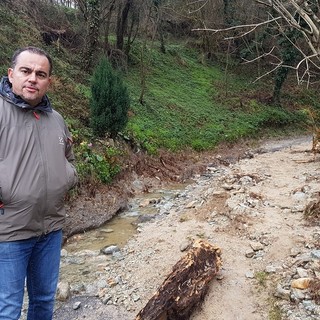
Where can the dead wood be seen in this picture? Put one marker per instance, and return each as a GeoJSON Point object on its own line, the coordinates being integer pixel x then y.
{"type": "Point", "coordinates": [185, 287]}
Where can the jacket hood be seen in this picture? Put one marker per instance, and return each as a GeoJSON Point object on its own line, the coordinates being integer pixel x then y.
{"type": "Point", "coordinates": [6, 92]}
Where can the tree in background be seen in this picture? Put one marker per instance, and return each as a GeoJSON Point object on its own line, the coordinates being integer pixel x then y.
{"type": "Point", "coordinates": [122, 21]}
{"type": "Point", "coordinates": [109, 102]}
{"type": "Point", "coordinates": [107, 11]}
{"type": "Point", "coordinates": [289, 55]}
{"type": "Point", "coordinates": [92, 18]}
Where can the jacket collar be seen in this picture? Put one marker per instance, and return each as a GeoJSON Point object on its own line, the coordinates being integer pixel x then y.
{"type": "Point", "coordinates": [6, 92]}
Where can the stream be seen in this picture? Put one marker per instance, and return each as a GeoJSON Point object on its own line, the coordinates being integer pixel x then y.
{"type": "Point", "coordinates": [81, 254]}
{"type": "Point", "coordinates": [121, 228]}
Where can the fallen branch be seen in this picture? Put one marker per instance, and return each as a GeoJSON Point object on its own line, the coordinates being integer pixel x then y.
{"type": "Point", "coordinates": [185, 287]}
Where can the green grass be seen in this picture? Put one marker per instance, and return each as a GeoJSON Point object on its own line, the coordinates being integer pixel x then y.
{"type": "Point", "coordinates": [275, 313]}
{"type": "Point", "coordinates": [261, 278]}
{"type": "Point", "coordinates": [186, 104]}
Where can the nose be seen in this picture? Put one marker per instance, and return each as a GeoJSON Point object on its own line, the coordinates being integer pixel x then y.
{"type": "Point", "coordinates": [32, 77]}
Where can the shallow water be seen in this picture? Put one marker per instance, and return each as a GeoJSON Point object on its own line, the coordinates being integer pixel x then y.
{"type": "Point", "coordinates": [115, 232]}
{"type": "Point", "coordinates": [121, 228]}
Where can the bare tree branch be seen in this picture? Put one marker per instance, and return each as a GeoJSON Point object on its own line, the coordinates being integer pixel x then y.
{"type": "Point", "coordinates": [253, 26]}
{"type": "Point", "coordinates": [267, 73]}
{"type": "Point", "coordinates": [195, 2]}
{"type": "Point", "coordinates": [261, 56]}
{"type": "Point", "coordinates": [295, 14]}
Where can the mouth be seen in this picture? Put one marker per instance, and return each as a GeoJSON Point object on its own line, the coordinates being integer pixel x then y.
{"type": "Point", "coordinates": [31, 89]}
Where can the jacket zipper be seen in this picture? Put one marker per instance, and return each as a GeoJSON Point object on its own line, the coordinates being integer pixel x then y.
{"type": "Point", "coordinates": [37, 116]}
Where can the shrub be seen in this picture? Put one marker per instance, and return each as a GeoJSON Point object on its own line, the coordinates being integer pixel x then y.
{"type": "Point", "coordinates": [93, 167]}
{"type": "Point", "coordinates": [109, 102]}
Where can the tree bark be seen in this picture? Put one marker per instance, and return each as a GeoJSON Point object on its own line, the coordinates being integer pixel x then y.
{"type": "Point", "coordinates": [122, 23]}
{"type": "Point", "coordinates": [107, 20]}
{"type": "Point", "coordinates": [92, 36]}
{"type": "Point", "coordinates": [185, 287]}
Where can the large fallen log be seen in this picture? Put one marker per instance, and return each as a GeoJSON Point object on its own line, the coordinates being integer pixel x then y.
{"type": "Point", "coordinates": [185, 287]}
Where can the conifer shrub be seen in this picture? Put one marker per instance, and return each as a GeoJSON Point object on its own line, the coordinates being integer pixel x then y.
{"type": "Point", "coordinates": [109, 101]}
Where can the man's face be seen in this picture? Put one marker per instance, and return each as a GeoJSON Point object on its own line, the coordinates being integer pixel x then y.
{"type": "Point", "coordinates": [30, 77]}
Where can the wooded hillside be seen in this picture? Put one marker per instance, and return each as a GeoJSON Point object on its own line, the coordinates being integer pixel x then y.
{"type": "Point", "coordinates": [190, 83]}
{"type": "Point", "coordinates": [282, 33]}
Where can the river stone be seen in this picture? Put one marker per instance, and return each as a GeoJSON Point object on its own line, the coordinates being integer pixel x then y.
{"type": "Point", "coordinates": [191, 204]}
{"type": "Point", "coordinates": [282, 293]}
{"type": "Point", "coordinates": [184, 246]}
{"type": "Point", "coordinates": [315, 254]}
{"type": "Point", "coordinates": [77, 288]}
{"type": "Point", "coordinates": [165, 208]}
{"type": "Point", "coordinates": [294, 252]}
{"type": "Point", "coordinates": [63, 253]}
{"type": "Point", "coordinates": [138, 185]}
{"type": "Point", "coordinates": [106, 298]}
{"type": "Point", "coordinates": [144, 203]}
{"type": "Point", "coordinates": [227, 186]}
{"type": "Point", "coordinates": [297, 294]}
{"type": "Point", "coordinates": [107, 230]}
{"type": "Point", "coordinates": [76, 305]}
{"type": "Point", "coordinates": [87, 253]}
{"type": "Point", "coordinates": [299, 196]}
{"type": "Point", "coordinates": [246, 180]}
{"type": "Point", "coordinates": [63, 291]}
{"type": "Point", "coordinates": [256, 246]}
{"type": "Point", "coordinates": [301, 283]}
{"type": "Point", "coordinates": [297, 208]}
{"type": "Point", "coordinates": [110, 249]}
{"type": "Point", "coordinates": [302, 273]}
{"type": "Point", "coordinates": [271, 269]}
{"type": "Point", "coordinates": [249, 253]}
{"type": "Point", "coordinates": [144, 218]}
{"type": "Point", "coordinates": [75, 260]}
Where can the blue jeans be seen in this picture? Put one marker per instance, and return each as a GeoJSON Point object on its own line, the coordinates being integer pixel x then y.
{"type": "Point", "coordinates": [37, 261]}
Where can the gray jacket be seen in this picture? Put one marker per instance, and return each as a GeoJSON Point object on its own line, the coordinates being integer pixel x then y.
{"type": "Point", "coordinates": [35, 172]}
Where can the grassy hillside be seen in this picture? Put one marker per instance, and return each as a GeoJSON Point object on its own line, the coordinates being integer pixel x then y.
{"type": "Point", "coordinates": [191, 104]}
{"type": "Point", "coordinates": [188, 102]}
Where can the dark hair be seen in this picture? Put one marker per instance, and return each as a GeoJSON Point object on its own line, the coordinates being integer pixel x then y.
{"type": "Point", "coordinates": [32, 50]}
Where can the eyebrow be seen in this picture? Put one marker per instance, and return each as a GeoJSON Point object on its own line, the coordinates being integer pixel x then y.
{"type": "Point", "coordinates": [38, 72]}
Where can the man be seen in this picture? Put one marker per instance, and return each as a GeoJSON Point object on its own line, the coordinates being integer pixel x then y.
{"type": "Point", "coordinates": [35, 175]}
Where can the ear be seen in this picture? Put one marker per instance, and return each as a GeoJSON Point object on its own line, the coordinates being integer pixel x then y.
{"type": "Point", "coordinates": [10, 74]}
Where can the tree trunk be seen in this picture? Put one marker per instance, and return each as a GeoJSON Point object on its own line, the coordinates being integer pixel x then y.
{"type": "Point", "coordinates": [107, 26]}
{"type": "Point", "coordinates": [289, 56]}
{"type": "Point", "coordinates": [186, 286]}
{"type": "Point", "coordinates": [122, 23]}
{"type": "Point", "coordinates": [92, 37]}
